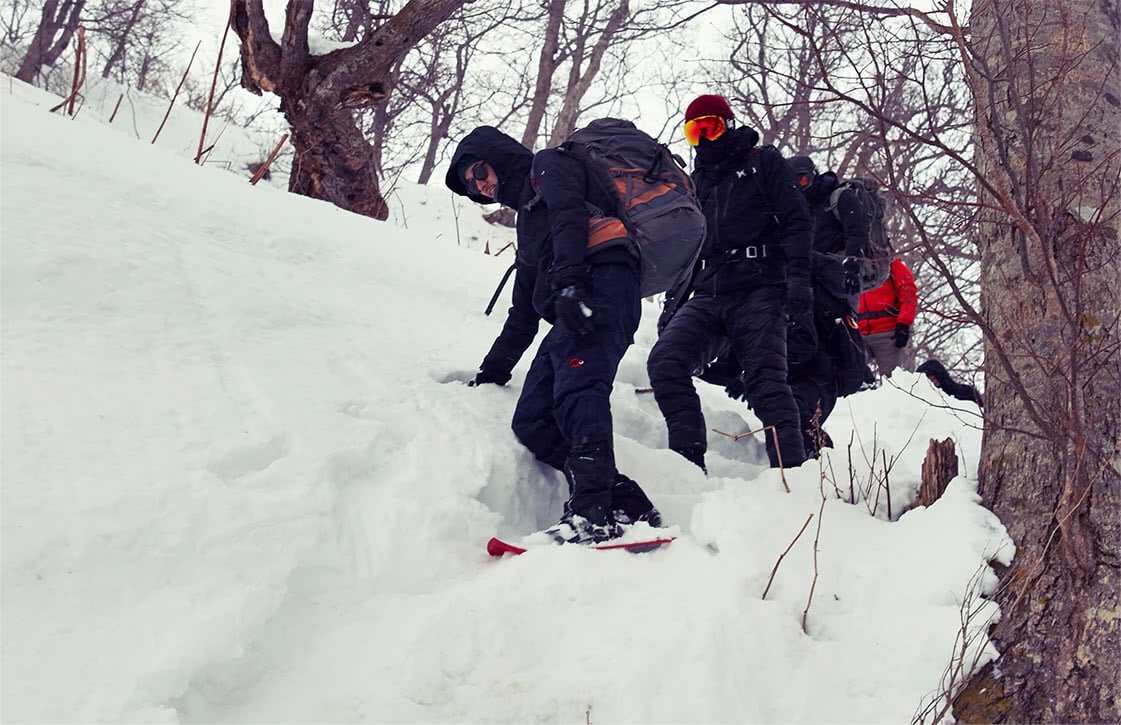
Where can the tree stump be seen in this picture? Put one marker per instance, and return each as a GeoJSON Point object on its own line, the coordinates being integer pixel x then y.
{"type": "Point", "coordinates": [938, 469]}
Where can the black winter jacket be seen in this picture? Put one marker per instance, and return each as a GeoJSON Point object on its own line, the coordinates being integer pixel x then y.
{"type": "Point", "coordinates": [845, 236]}
{"type": "Point", "coordinates": [749, 199]}
{"type": "Point", "coordinates": [551, 193]}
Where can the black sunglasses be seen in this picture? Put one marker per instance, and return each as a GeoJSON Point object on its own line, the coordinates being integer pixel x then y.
{"type": "Point", "coordinates": [479, 171]}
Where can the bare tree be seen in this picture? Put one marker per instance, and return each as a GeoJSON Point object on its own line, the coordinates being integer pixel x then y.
{"type": "Point", "coordinates": [785, 68]}
{"type": "Point", "coordinates": [138, 40]}
{"type": "Point", "coordinates": [14, 21]}
{"type": "Point", "coordinates": [320, 93]}
{"type": "Point", "coordinates": [57, 24]}
{"type": "Point", "coordinates": [579, 36]}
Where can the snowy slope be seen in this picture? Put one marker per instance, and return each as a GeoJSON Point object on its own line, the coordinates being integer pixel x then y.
{"type": "Point", "coordinates": [243, 481]}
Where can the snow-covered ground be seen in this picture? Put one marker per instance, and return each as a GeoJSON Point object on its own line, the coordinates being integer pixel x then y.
{"type": "Point", "coordinates": [242, 480]}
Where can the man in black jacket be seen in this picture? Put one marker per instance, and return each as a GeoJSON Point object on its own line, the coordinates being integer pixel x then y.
{"type": "Point", "coordinates": [590, 293]}
{"type": "Point", "coordinates": [816, 357]}
{"type": "Point", "coordinates": [754, 267]}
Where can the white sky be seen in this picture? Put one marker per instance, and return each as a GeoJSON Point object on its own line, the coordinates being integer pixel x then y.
{"type": "Point", "coordinates": [243, 481]}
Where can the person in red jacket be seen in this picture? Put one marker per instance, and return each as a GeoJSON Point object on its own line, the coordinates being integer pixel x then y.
{"type": "Point", "coordinates": [885, 317]}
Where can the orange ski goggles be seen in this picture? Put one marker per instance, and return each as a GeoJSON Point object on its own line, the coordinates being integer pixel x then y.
{"type": "Point", "coordinates": [710, 127]}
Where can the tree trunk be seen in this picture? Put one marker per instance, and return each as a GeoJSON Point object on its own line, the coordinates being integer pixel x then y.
{"type": "Point", "coordinates": [1047, 86]}
{"type": "Point", "coordinates": [547, 64]}
{"type": "Point", "coordinates": [334, 161]}
{"type": "Point", "coordinates": [438, 131]}
{"type": "Point", "coordinates": [122, 40]}
{"type": "Point", "coordinates": [45, 48]}
{"type": "Point", "coordinates": [580, 80]}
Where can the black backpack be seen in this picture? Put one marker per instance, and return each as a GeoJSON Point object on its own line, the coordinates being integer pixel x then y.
{"type": "Point", "coordinates": [656, 202]}
{"type": "Point", "coordinates": [846, 349]}
{"type": "Point", "coordinates": [878, 253]}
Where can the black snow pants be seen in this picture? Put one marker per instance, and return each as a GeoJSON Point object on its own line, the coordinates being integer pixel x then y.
{"type": "Point", "coordinates": [564, 413]}
{"type": "Point", "coordinates": [754, 324]}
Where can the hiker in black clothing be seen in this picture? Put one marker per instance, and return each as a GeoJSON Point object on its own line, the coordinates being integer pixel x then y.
{"type": "Point", "coordinates": [840, 236]}
{"type": "Point", "coordinates": [754, 267]}
{"type": "Point", "coordinates": [836, 366]}
{"type": "Point", "coordinates": [940, 377]}
{"type": "Point", "coordinates": [591, 296]}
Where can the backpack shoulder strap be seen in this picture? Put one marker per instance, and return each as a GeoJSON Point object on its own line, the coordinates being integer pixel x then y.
{"type": "Point", "coordinates": [835, 197]}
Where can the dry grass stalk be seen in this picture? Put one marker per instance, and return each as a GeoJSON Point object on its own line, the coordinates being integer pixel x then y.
{"type": "Point", "coordinates": [116, 107]}
{"type": "Point", "coordinates": [79, 73]}
{"type": "Point", "coordinates": [182, 80]}
{"type": "Point", "coordinates": [774, 437]}
{"type": "Point", "coordinates": [213, 86]}
{"type": "Point", "coordinates": [813, 583]}
{"type": "Point", "coordinates": [783, 555]}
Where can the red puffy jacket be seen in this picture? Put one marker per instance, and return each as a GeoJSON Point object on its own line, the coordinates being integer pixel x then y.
{"type": "Point", "coordinates": [895, 301]}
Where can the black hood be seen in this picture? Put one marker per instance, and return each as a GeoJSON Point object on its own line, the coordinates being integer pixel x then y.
{"type": "Point", "coordinates": [510, 160]}
{"type": "Point", "coordinates": [823, 186]}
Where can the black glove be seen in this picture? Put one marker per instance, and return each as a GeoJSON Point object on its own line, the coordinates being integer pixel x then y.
{"type": "Point", "coordinates": [485, 376]}
{"type": "Point", "coordinates": [570, 295]}
{"type": "Point", "coordinates": [799, 296]}
{"type": "Point", "coordinates": [852, 269]}
{"type": "Point", "coordinates": [735, 391]}
{"type": "Point", "coordinates": [902, 334]}
{"type": "Point", "coordinates": [801, 340]}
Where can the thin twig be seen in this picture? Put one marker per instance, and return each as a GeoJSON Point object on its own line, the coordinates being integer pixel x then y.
{"type": "Point", "coordinates": [778, 455]}
{"type": "Point", "coordinates": [114, 114]}
{"type": "Point", "coordinates": [887, 485]}
{"type": "Point", "coordinates": [778, 449]}
{"type": "Point", "coordinates": [268, 162]}
{"type": "Point", "coordinates": [214, 85]}
{"type": "Point", "coordinates": [79, 73]}
{"type": "Point", "coordinates": [175, 95]}
{"type": "Point", "coordinates": [783, 555]}
{"type": "Point", "coordinates": [813, 584]}
{"type": "Point", "coordinates": [78, 81]}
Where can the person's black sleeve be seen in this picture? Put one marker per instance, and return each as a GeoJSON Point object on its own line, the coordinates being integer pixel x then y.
{"type": "Point", "coordinates": [853, 223]}
{"type": "Point", "coordinates": [518, 331]}
{"type": "Point", "coordinates": [561, 181]}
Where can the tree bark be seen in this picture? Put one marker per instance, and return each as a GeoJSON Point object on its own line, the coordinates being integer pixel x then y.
{"type": "Point", "coordinates": [56, 20]}
{"type": "Point", "coordinates": [1047, 86]}
{"type": "Point", "coordinates": [319, 94]}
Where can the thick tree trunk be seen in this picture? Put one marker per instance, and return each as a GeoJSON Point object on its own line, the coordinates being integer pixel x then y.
{"type": "Point", "coordinates": [334, 161]}
{"type": "Point", "coordinates": [56, 27]}
{"type": "Point", "coordinates": [1047, 85]}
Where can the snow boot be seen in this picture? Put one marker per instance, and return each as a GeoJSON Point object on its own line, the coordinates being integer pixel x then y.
{"type": "Point", "coordinates": [574, 528]}
{"type": "Point", "coordinates": [694, 453]}
{"type": "Point", "coordinates": [630, 504]}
